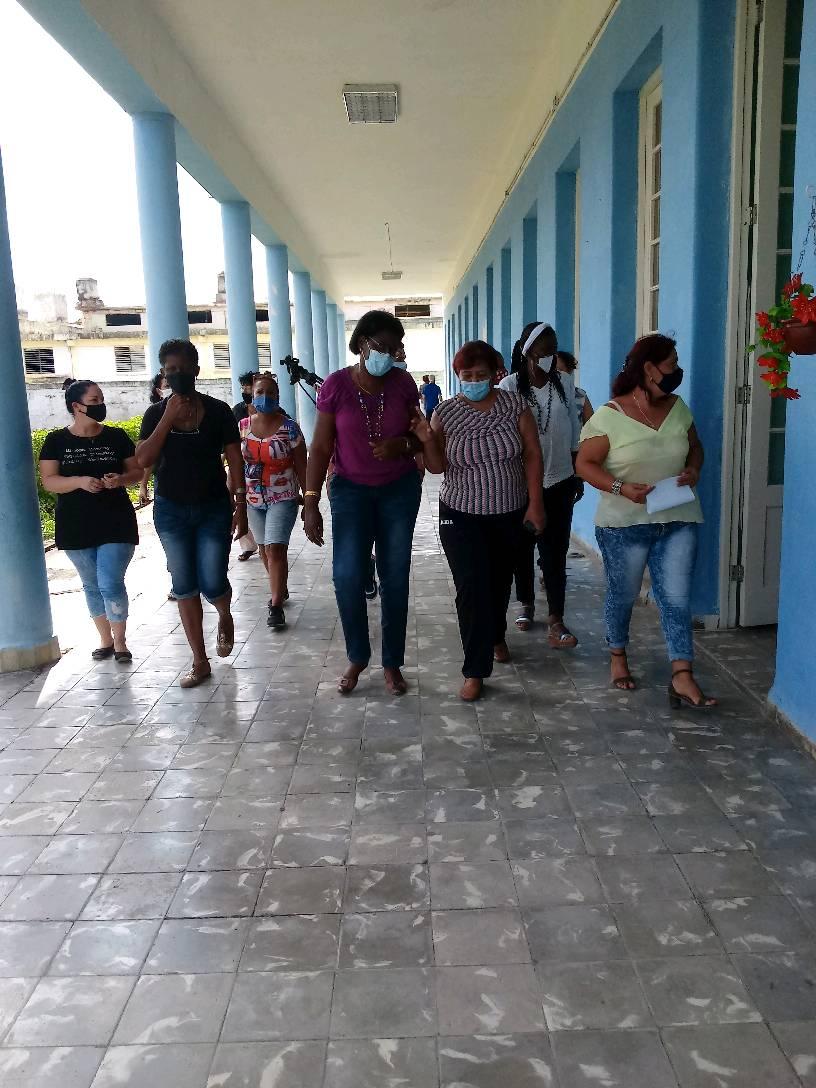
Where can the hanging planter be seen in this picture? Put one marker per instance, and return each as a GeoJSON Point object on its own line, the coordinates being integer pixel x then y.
{"type": "Point", "coordinates": [800, 337]}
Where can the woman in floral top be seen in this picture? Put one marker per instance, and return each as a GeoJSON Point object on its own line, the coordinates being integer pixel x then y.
{"type": "Point", "coordinates": [275, 469]}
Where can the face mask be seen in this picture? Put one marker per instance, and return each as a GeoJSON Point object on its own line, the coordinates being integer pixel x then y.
{"type": "Point", "coordinates": [476, 390]}
{"type": "Point", "coordinates": [265, 403]}
{"type": "Point", "coordinates": [546, 362]}
{"type": "Point", "coordinates": [378, 363]}
{"type": "Point", "coordinates": [96, 411]}
{"type": "Point", "coordinates": [181, 383]}
{"type": "Point", "coordinates": [246, 398]}
{"type": "Point", "coordinates": [669, 382]}
{"type": "Point", "coordinates": [166, 393]}
{"type": "Point", "coordinates": [401, 366]}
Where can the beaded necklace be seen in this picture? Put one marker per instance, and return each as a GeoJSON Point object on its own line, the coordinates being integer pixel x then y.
{"type": "Point", "coordinates": [374, 428]}
{"type": "Point", "coordinates": [536, 404]}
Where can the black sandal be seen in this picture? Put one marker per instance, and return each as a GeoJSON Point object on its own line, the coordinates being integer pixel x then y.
{"type": "Point", "coordinates": [676, 699]}
{"type": "Point", "coordinates": [124, 657]}
{"type": "Point", "coordinates": [628, 680]}
{"type": "Point", "coordinates": [103, 653]}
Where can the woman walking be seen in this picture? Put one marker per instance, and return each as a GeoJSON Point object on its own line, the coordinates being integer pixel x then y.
{"type": "Point", "coordinates": [364, 417]}
{"type": "Point", "coordinates": [643, 436]}
{"type": "Point", "coordinates": [550, 395]}
{"type": "Point", "coordinates": [274, 455]}
{"type": "Point", "coordinates": [88, 466]}
{"type": "Point", "coordinates": [485, 441]}
{"type": "Point", "coordinates": [568, 364]}
{"type": "Point", "coordinates": [186, 437]}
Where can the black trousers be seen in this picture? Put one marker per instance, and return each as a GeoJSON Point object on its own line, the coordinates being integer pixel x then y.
{"type": "Point", "coordinates": [553, 546]}
{"type": "Point", "coordinates": [476, 547]}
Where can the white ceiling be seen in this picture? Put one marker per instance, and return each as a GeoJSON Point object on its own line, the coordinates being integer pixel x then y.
{"type": "Point", "coordinates": [476, 79]}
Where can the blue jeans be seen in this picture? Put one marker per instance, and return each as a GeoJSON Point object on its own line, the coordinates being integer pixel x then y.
{"type": "Point", "coordinates": [196, 538]}
{"type": "Point", "coordinates": [102, 572]}
{"type": "Point", "coordinates": [669, 551]}
{"type": "Point", "coordinates": [380, 518]}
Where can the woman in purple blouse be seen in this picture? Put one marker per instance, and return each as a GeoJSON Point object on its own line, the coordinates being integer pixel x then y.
{"type": "Point", "coordinates": [365, 416]}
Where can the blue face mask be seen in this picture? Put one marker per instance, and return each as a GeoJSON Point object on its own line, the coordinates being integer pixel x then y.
{"type": "Point", "coordinates": [476, 390]}
{"type": "Point", "coordinates": [378, 363]}
{"type": "Point", "coordinates": [266, 404]}
{"type": "Point", "coordinates": [401, 366]}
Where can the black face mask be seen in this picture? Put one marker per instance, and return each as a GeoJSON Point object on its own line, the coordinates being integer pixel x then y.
{"type": "Point", "coordinates": [181, 383]}
{"type": "Point", "coordinates": [96, 411]}
{"type": "Point", "coordinates": [246, 398]}
{"type": "Point", "coordinates": [669, 382]}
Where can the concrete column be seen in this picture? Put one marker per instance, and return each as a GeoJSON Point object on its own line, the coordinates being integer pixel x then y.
{"type": "Point", "coordinates": [334, 339]}
{"type": "Point", "coordinates": [241, 325]}
{"type": "Point", "coordinates": [342, 339]}
{"type": "Point", "coordinates": [26, 630]}
{"type": "Point", "coordinates": [320, 333]}
{"type": "Point", "coordinates": [304, 346]}
{"type": "Point", "coordinates": [280, 322]}
{"type": "Point", "coordinates": [154, 143]}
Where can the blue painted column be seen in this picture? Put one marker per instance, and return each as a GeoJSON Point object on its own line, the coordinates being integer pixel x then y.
{"type": "Point", "coordinates": [334, 339]}
{"type": "Point", "coordinates": [26, 630]}
{"type": "Point", "coordinates": [342, 340]}
{"type": "Point", "coordinates": [304, 346]}
{"type": "Point", "coordinates": [241, 326]}
{"type": "Point", "coordinates": [280, 322]}
{"type": "Point", "coordinates": [320, 333]}
{"type": "Point", "coordinates": [154, 143]}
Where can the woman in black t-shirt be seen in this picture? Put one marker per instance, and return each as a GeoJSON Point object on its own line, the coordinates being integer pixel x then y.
{"type": "Point", "coordinates": [186, 437]}
{"type": "Point", "coordinates": [88, 466]}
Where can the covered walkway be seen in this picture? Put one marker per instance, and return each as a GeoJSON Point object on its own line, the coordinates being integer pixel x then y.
{"type": "Point", "coordinates": [258, 883]}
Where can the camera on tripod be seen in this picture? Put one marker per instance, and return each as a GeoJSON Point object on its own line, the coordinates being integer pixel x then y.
{"type": "Point", "coordinates": [298, 373]}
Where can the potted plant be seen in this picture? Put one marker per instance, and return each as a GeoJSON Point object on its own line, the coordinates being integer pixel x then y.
{"type": "Point", "coordinates": [789, 328]}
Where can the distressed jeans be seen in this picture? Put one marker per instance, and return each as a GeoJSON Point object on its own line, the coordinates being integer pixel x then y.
{"type": "Point", "coordinates": [669, 551]}
{"type": "Point", "coordinates": [102, 573]}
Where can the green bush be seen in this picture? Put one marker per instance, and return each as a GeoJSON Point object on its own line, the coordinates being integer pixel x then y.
{"type": "Point", "coordinates": [48, 502]}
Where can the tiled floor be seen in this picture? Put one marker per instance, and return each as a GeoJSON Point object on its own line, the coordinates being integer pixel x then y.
{"type": "Point", "coordinates": [259, 884]}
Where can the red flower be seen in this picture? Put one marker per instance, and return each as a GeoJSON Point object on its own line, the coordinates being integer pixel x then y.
{"type": "Point", "coordinates": [804, 309]}
{"type": "Point", "coordinates": [767, 360]}
{"type": "Point", "coordinates": [774, 336]}
{"type": "Point", "coordinates": [763, 320]}
{"type": "Point", "coordinates": [787, 393]}
{"type": "Point", "coordinates": [773, 378]}
{"type": "Point", "coordinates": [793, 285]}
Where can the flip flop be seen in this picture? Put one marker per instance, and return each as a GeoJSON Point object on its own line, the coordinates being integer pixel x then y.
{"type": "Point", "coordinates": [224, 644]}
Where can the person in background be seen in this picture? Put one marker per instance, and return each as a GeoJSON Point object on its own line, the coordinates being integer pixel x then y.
{"type": "Point", "coordinates": [644, 435]}
{"type": "Point", "coordinates": [551, 399]}
{"type": "Point", "coordinates": [568, 364]}
{"type": "Point", "coordinates": [364, 417]}
{"type": "Point", "coordinates": [88, 467]}
{"type": "Point", "coordinates": [485, 441]}
{"type": "Point", "coordinates": [431, 396]}
{"type": "Point", "coordinates": [243, 408]}
{"type": "Point", "coordinates": [67, 384]}
{"type": "Point", "coordinates": [274, 455]}
{"type": "Point", "coordinates": [186, 437]}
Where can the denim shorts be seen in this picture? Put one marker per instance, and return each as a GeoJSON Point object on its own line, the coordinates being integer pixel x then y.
{"type": "Point", "coordinates": [274, 524]}
{"type": "Point", "coordinates": [196, 538]}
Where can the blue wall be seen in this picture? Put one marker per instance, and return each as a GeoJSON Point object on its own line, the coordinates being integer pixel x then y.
{"type": "Point", "coordinates": [794, 690]}
{"type": "Point", "coordinates": [596, 128]}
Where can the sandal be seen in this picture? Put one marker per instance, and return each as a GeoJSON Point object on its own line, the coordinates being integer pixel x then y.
{"type": "Point", "coordinates": [501, 653]}
{"type": "Point", "coordinates": [524, 620]}
{"type": "Point", "coordinates": [626, 682]}
{"type": "Point", "coordinates": [347, 684]}
{"type": "Point", "coordinates": [472, 690]}
{"type": "Point", "coordinates": [200, 672]}
{"type": "Point", "coordinates": [560, 637]}
{"type": "Point", "coordinates": [676, 699]}
{"type": "Point", "coordinates": [394, 685]}
{"type": "Point", "coordinates": [103, 653]}
{"type": "Point", "coordinates": [224, 643]}
{"type": "Point", "coordinates": [124, 657]}
{"type": "Point", "coordinates": [242, 558]}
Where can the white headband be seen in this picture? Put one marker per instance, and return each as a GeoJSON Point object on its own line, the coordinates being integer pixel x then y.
{"type": "Point", "coordinates": [534, 335]}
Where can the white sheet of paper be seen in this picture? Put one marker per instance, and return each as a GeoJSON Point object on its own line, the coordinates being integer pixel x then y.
{"type": "Point", "coordinates": [666, 495]}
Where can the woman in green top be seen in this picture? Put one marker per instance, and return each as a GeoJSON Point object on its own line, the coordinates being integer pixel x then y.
{"type": "Point", "coordinates": [644, 435]}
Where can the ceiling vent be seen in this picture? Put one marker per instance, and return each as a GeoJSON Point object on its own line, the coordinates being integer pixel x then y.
{"type": "Point", "coordinates": [370, 104]}
{"type": "Point", "coordinates": [392, 275]}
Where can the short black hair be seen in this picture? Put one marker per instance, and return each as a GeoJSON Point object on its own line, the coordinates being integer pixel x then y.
{"type": "Point", "coordinates": [185, 348]}
{"type": "Point", "coordinates": [248, 377]}
{"type": "Point", "coordinates": [75, 392]}
{"type": "Point", "coordinates": [370, 324]}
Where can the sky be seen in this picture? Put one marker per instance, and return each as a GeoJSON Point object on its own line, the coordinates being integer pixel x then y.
{"type": "Point", "coordinates": [67, 156]}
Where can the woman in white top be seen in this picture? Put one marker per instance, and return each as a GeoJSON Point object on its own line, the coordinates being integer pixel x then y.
{"type": "Point", "coordinates": [551, 397]}
{"type": "Point", "coordinates": [568, 364]}
{"type": "Point", "coordinates": [643, 436]}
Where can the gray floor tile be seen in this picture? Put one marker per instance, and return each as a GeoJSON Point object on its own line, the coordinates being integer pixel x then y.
{"type": "Point", "coordinates": [49, 1067]}
{"type": "Point", "coordinates": [104, 948]}
{"type": "Point", "coordinates": [782, 985]}
{"type": "Point", "coordinates": [383, 1003]}
{"type": "Point", "coordinates": [641, 877]}
{"type": "Point", "coordinates": [387, 887]}
{"type": "Point", "coordinates": [726, 1055]}
{"type": "Point", "coordinates": [14, 993]}
{"type": "Point", "coordinates": [616, 1059]}
{"type": "Point", "coordinates": [131, 895]}
{"type": "Point", "coordinates": [579, 996]}
{"type": "Point", "coordinates": [496, 1000]}
{"type": "Point", "coordinates": [154, 852]}
{"type": "Point", "coordinates": [67, 854]}
{"type": "Point", "coordinates": [373, 1063]}
{"type": "Point", "coordinates": [26, 948]}
{"type": "Point", "coordinates": [456, 842]}
{"type": "Point", "coordinates": [291, 1064]}
{"type": "Point", "coordinates": [551, 837]}
{"type": "Point", "coordinates": [216, 895]}
{"type": "Point", "coordinates": [317, 890]}
{"type": "Point", "coordinates": [279, 1005]}
{"type": "Point", "coordinates": [473, 937]}
{"type": "Point", "coordinates": [696, 990]}
{"type": "Point", "coordinates": [386, 939]}
{"type": "Point", "coordinates": [472, 885]}
{"type": "Point", "coordinates": [47, 898]}
{"type": "Point", "coordinates": [293, 943]}
{"type": "Point", "coordinates": [298, 847]}
{"type": "Point", "coordinates": [190, 945]}
{"type": "Point", "coordinates": [623, 836]}
{"type": "Point", "coordinates": [181, 1065]}
{"type": "Point", "coordinates": [71, 1012]}
{"type": "Point", "coordinates": [554, 881]}
{"type": "Point", "coordinates": [19, 852]}
{"type": "Point", "coordinates": [174, 1009]}
{"type": "Point", "coordinates": [724, 875]}
{"type": "Point", "coordinates": [798, 1041]}
{"type": "Point", "coordinates": [666, 927]}
{"type": "Point", "coordinates": [761, 924]}
{"type": "Point", "coordinates": [497, 1061]}
{"type": "Point", "coordinates": [573, 933]}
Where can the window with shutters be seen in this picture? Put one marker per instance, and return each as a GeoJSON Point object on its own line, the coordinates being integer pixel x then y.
{"type": "Point", "coordinates": [129, 360]}
{"type": "Point", "coordinates": [650, 189]}
{"type": "Point", "coordinates": [39, 360]}
{"type": "Point", "coordinates": [221, 356]}
{"type": "Point", "coordinates": [264, 357]}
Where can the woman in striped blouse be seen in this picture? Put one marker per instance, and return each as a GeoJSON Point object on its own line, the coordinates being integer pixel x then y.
{"type": "Point", "coordinates": [486, 443]}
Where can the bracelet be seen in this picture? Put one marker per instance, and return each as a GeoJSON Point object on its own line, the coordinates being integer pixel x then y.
{"type": "Point", "coordinates": [616, 487]}
{"type": "Point", "coordinates": [311, 494]}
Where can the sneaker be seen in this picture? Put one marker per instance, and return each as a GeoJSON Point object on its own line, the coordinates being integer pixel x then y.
{"type": "Point", "coordinates": [524, 620]}
{"type": "Point", "coordinates": [276, 618]}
